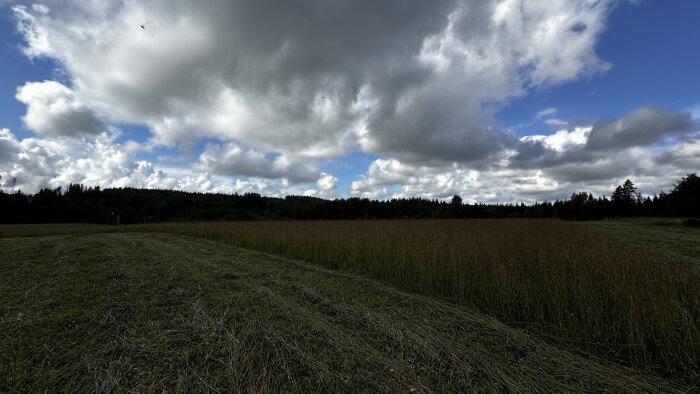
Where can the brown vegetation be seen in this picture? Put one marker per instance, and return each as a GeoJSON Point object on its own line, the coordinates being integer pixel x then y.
{"type": "Point", "coordinates": [559, 279]}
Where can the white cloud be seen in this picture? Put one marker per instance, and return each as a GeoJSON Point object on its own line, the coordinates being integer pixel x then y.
{"type": "Point", "coordinates": [555, 122]}
{"type": "Point", "coordinates": [555, 177]}
{"type": "Point", "coordinates": [53, 162]}
{"type": "Point", "coordinates": [277, 88]}
{"type": "Point", "coordinates": [34, 163]}
{"type": "Point", "coordinates": [388, 179]}
{"type": "Point", "coordinates": [562, 139]}
{"type": "Point", "coordinates": [326, 187]}
{"type": "Point", "coordinates": [322, 80]}
{"type": "Point", "coordinates": [231, 159]}
{"type": "Point", "coordinates": [54, 110]}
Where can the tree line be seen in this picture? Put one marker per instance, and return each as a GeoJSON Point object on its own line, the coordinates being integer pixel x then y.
{"type": "Point", "coordinates": [78, 203]}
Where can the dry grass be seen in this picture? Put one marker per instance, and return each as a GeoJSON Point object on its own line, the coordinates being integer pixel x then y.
{"type": "Point", "coordinates": [156, 312]}
{"type": "Point", "coordinates": [556, 278]}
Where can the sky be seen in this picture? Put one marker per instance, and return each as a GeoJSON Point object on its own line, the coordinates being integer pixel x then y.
{"type": "Point", "coordinates": [503, 101]}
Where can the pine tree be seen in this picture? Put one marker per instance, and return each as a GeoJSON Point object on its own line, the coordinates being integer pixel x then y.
{"type": "Point", "coordinates": [625, 199]}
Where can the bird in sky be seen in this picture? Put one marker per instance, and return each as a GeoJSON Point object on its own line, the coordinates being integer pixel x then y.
{"type": "Point", "coordinates": [143, 27]}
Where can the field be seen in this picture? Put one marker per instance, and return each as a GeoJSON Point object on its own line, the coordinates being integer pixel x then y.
{"type": "Point", "coordinates": [618, 300]}
{"type": "Point", "coordinates": [24, 230]}
{"type": "Point", "coordinates": [667, 237]}
{"type": "Point", "coordinates": [166, 309]}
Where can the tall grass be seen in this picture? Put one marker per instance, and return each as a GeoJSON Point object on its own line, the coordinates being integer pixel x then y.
{"type": "Point", "coordinates": [556, 278]}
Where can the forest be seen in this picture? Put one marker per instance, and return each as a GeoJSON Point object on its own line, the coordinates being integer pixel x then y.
{"type": "Point", "coordinates": [81, 204]}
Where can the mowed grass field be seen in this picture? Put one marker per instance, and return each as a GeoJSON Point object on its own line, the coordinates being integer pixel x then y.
{"type": "Point", "coordinates": [576, 284]}
{"type": "Point", "coordinates": [30, 230]}
{"type": "Point", "coordinates": [624, 291]}
{"type": "Point", "coordinates": [668, 237]}
{"type": "Point", "coordinates": [135, 312]}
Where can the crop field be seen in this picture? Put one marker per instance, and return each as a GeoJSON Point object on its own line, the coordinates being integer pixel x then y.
{"type": "Point", "coordinates": [575, 284]}
{"type": "Point", "coordinates": [163, 312]}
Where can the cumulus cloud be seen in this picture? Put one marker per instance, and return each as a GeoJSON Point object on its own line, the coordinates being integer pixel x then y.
{"type": "Point", "coordinates": [9, 148]}
{"type": "Point", "coordinates": [685, 154]}
{"type": "Point", "coordinates": [562, 139]}
{"type": "Point", "coordinates": [641, 127]}
{"type": "Point", "coordinates": [232, 159]}
{"type": "Point", "coordinates": [547, 167]}
{"type": "Point", "coordinates": [279, 87]}
{"type": "Point", "coordinates": [54, 110]}
{"type": "Point", "coordinates": [326, 187]}
{"type": "Point", "coordinates": [395, 179]}
{"type": "Point", "coordinates": [651, 171]}
{"type": "Point", "coordinates": [33, 163]}
{"type": "Point", "coordinates": [327, 183]}
{"type": "Point", "coordinates": [417, 80]}
{"type": "Point", "coordinates": [607, 149]}
{"type": "Point", "coordinates": [36, 163]}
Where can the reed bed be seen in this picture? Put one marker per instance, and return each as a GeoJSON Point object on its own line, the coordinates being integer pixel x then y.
{"type": "Point", "coordinates": [558, 279]}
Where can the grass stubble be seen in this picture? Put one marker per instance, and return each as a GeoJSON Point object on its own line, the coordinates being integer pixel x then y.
{"type": "Point", "coordinates": [153, 312]}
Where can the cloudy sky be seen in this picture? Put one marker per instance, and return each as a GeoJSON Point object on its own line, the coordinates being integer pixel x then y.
{"type": "Point", "coordinates": [495, 100]}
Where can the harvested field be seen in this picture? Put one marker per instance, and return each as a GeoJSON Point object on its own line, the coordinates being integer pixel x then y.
{"type": "Point", "coordinates": [153, 312]}
{"type": "Point", "coordinates": [575, 284]}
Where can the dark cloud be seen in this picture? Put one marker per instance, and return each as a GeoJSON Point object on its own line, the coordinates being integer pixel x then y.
{"type": "Point", "coordinates": [9, 147]}
{"type": "Point", "coordinates": [234, 160]}
{"type": "Point", "coordinates": [531, 154]}
{"type": "Point", "coordinates": [641, 127]}
{"type": "Point", "coordinates": [599, 169]}
{"type": "Point", "coordinates": [685, 155]}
